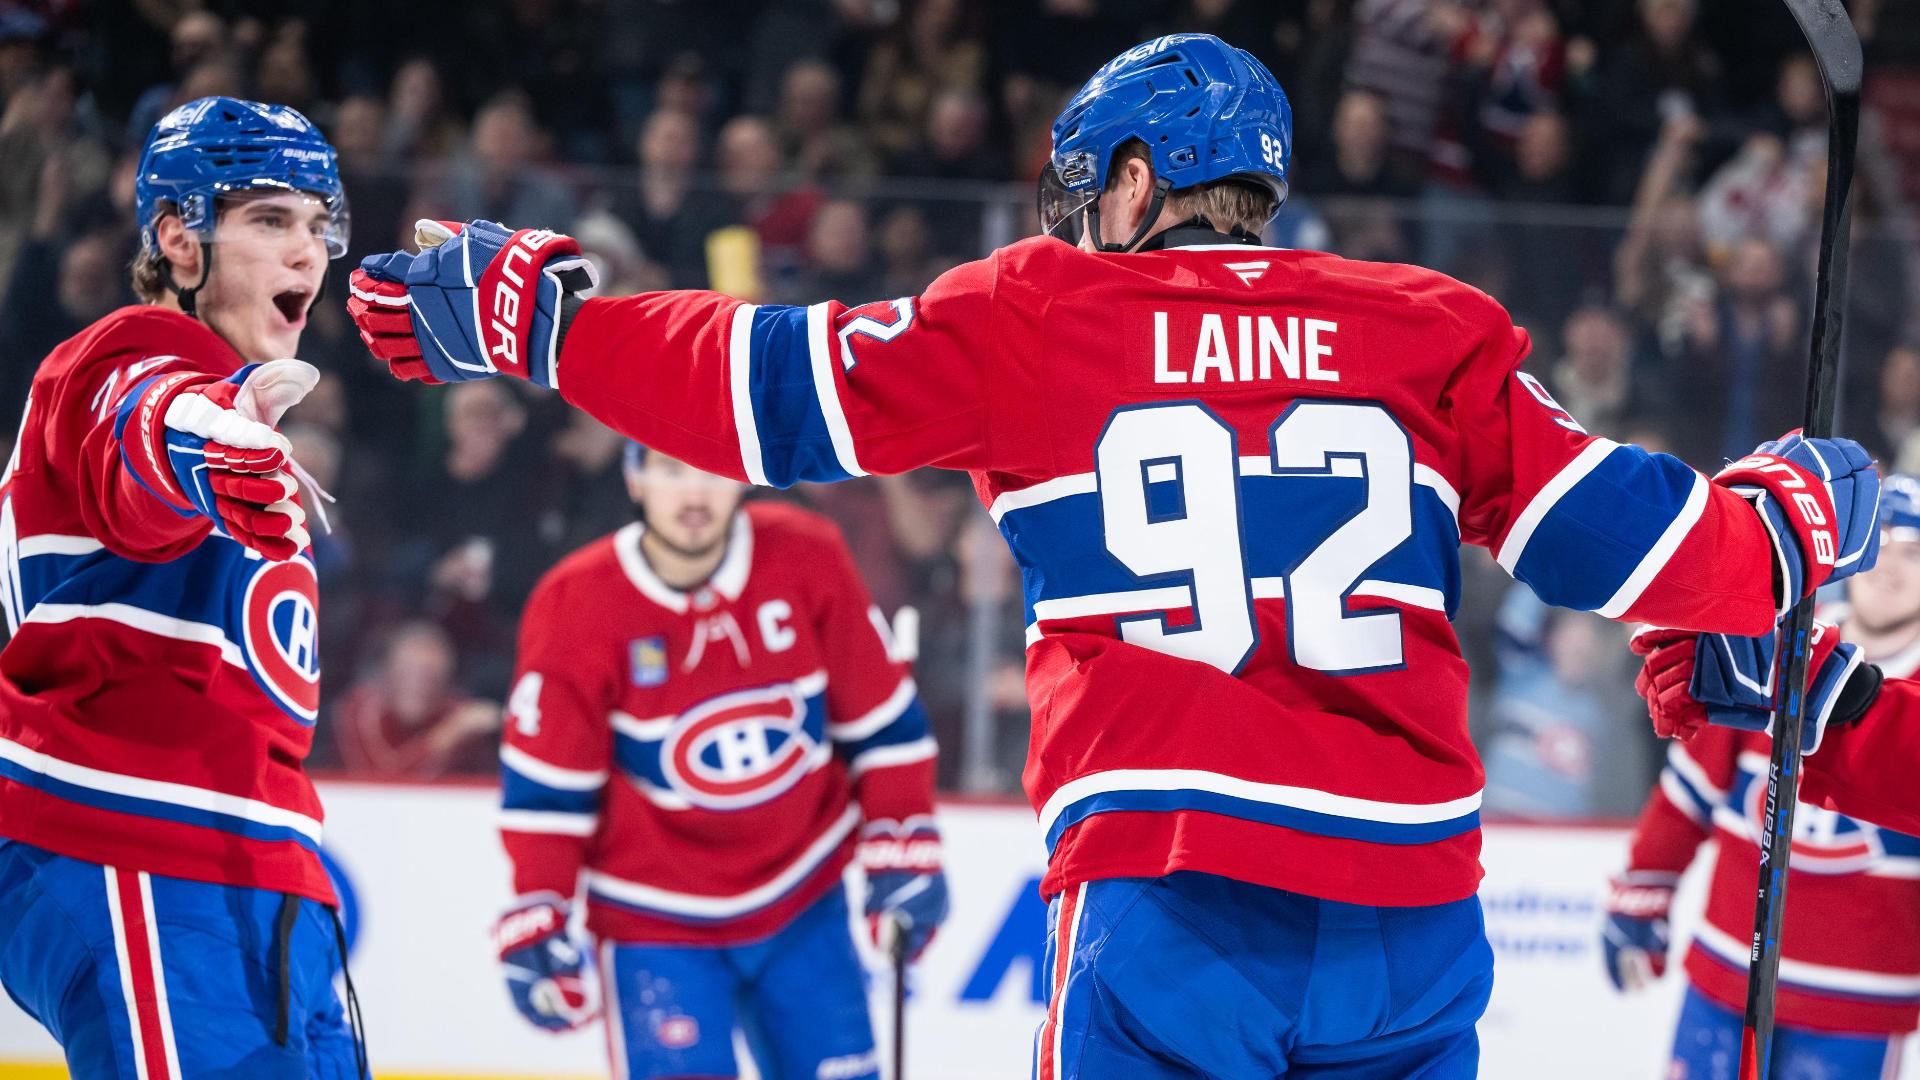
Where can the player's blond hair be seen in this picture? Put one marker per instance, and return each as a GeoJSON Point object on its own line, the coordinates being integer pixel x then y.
{"type": "Point", "coordinates": [1226, 204]}
{"type": "Point", "coordinates": [150, 267]}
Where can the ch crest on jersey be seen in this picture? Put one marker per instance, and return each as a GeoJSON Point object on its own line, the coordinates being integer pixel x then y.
{"type": "Point", "coordinates": [647, 661]}
{"type": "Point", "coordinates": [1824, 841]}
{"type": "Point", "coordinates": [740, 749]}
{"type": "Point", "coordinates": [280, 631]}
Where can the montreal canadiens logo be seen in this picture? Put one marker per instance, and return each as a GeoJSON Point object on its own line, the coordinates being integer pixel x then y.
{"type": "Point", "coordinates": [740, 750]}
{"type": "Point", "coordinates": [1824, 842]}
{"type": "Point", "coordinates": [280, 619]}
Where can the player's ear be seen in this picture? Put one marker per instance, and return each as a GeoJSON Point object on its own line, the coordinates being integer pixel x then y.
{"type": "Point", "coordinates": [1136, 183]}
{"type": "Point", "coordinates": [180, 247]}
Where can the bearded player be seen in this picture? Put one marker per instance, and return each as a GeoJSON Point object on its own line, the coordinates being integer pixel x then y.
{"type": "Point", "coordinates": [163, 907]}
{"type": "Point", "coordinates": [1236, 479]}
{"type": "Point", "coordinates": [706, 727]}
{"type": "Point", "coordinates": [1850, 965]}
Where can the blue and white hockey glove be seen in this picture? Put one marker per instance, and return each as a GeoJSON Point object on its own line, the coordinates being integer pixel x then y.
{"type": "Point", "coordinates": [1820, 500]}
{"type": "Point", "coordinates": [208, 447]}
{"type": "Point", "coordinates": [1692, 679]}
{"type": "Point", "coordinates": [905, 887]}
{"type": "Point", "coordinates": [1635, 937]}
{"type": "Point", "coordinates": [547, 971]}
{"type": "Point", "coordinates": [477, 301]}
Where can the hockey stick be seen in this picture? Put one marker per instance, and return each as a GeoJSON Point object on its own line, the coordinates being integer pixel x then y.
{"type": "Point", "coordinates": [897, 951]}
{"type": "Point", "coordinates": [1836, 49]}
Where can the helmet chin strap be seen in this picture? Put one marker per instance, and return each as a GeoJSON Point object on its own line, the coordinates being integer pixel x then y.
{"type": "Point", "coordinates": [1161, 189]}
{"type": "Point", "coordinates": [188, 296]}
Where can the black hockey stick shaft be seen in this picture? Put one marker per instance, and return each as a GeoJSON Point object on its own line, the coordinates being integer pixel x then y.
{"type": "Point", "coordinates": [897, 949]}
{"type": "Point", "coordinates": [1836, 50]}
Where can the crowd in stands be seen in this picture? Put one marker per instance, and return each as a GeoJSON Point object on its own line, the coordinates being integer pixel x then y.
{"type": "Point", "coordinates": [1639, 181]}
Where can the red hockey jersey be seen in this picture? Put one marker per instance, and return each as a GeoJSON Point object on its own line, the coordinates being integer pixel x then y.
{"type": "Point", "coordinates": [158, 691]}
{"type": "Point", "coordinates": [707, 760]}
{"type": "Point", "coordinates": [1851, 943]}
{"type": "Point", "coordinates": [1235, 480]}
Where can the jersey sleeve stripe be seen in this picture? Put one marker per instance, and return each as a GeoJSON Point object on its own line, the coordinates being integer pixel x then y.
{"type": "Point", "coordinates": [1544, 500]}
{"type": "Point", "coordinates": [55, 544]}
{"type": "Point", "coordinates": [863, 727]}
{"type": "Point", "coordinates": [1427, 476]}
{"type": "Point", "coordinates": [739, 372]}
{"type": "Point", "coordinates": [521, 792]}
{"type": "Point", "coordinates": [796, 439]}
{"type": "Point", "coordinates": [1584, 549]}
{"type": "Point", "coordinates": [820, 353]}
{"type": "Point", "coordinates": [1684, 766]}
{"type": "Point", "coordinates": [1818, 978]}
{"type": "Point", "coordinates": [140, 618]}
{"type": "Point", "coordinates": [883, 757]}
{"type": "Point", "coordinates": [549, 774]}
{"type": "Point", "coordinates": [549, 822]}
{"type": "Point", "coordinates": [1685, 799]}
{"type": "Point", "coordinates": [1662, 552]}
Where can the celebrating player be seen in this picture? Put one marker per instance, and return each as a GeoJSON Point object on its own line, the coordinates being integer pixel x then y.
{"type": "Point", "coordinates": [706, 726]}
{"type": "Point", "coordinates": [163, 908]}
{"type": "Point", "coordinates": [1236, 480]}
{"type": "Point", "coordinates": [1850, 970]}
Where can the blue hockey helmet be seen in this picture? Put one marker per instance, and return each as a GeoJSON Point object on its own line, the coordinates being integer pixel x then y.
{"type": "Point", "coordinates": [1203, 110]}
{"type": "Point", "coordinates": [634, 458]}
{"type": "Point", "coordinates": [1900, 507]}
{"type": "Point", "coordinates": [207, 148]}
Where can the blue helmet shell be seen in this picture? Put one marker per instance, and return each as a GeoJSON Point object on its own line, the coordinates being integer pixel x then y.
{"type": "Point", "coordinates": [215, 145]}
{"type": "Point", "coordinates": [1204, 109]}
{"type": "Point", "coordinates": [1900, 507]}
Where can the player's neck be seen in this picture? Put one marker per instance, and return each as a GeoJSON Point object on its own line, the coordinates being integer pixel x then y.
{"type": "Point", "coordinates": [676, 567]}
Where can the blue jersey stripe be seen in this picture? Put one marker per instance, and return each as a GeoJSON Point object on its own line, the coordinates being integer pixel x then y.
{"type": "Point", "coordinates": [1213, 802]}
{"type": "Point", "coordinates": [795, 443]}
{"type": "Point", "coordinates": [1061, 544]}
{"type": "Point", "coordinates": [1596, 534]}
{"type": "Point", "coordinates": [152, 808]}
{"type": "Point", "coordinates": [910, 725]}
{"type": "Point", "coordinates": [519, 792]}
{"type": "Point", "coordinates": [640, 758]}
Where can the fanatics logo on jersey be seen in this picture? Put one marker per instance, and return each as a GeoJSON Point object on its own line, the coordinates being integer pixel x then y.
{"type": "Point", "coordinates": [1248, 272]}
{"type": "Point", "coordinates": [647, 661]}
{"type": "Point", "coordinates": [740, 749]}
{"type": "Point", "coordinates": [676, 1032]}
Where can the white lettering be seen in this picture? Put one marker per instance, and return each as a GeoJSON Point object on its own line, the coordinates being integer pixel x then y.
{"type": "Point", "coordinates": [1246, 348]}
{"type": "Point", "coordinates": [1288, 350]}
{"type": "Point", "coordinates": [1160, 372]}
{"type": "Point", "coordinates": [1316, 350]}
{"type": "Point", "coordinates": [774, 633]}
{"type": "Point", "coordinates": [1211, 352]}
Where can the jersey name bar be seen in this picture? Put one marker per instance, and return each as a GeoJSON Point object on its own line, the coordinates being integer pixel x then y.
{"type": "Point", "coordinates": [1248, 353]}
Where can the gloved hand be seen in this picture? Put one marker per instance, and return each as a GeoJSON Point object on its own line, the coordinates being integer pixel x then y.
{"type": "Point", "coordinates": [208, 446]}
{"type": "Point", "coordinates": [1820, 500]}
{"type": "Point", "coordinates": [476, 301]}
{"type": "Point", "coordinates": [1692, 679]}
{"type": "Point", "coordinates": [547, 971]}
{"type": "Point", "coordinates": [905, 887]}
{"type": "Point", "coordinates": [1635, 936]}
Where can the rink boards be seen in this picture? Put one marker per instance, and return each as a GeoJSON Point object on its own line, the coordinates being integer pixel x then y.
{"type": "Point", "coordinates": [427, 878]}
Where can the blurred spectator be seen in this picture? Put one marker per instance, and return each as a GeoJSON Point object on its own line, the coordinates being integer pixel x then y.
{"type": "Point", "coordinates": [40, 124]}
{"type": "Point", "coordinates": [816, 141]}
{"type": "Point", "coordinates": [410, 721]}
{"type": "Point", "coordinates": [623, 268]}
{"type": "Point", "coordinates": [199, 37]}
{"type": "Point", "coordinates": [935, 47]}
{"type": "Point", "coordinates": [1401, 53]}
{"type": "Point", "coordinates": [594, 495]}
{"type": "Point", "coordinates": [1509, 64]}
{"type": "Point", "coordinates": [501, 179]}
{"type": "Point", "coordinates": [668, 206]}
{"type": "Point", "coordinates": [749, 162]}
{"type": "Point", "coordinates": [1664, 72]}
{"type": "Point", "coordinates": [1360, 162]}
{"type": "Point", "coordinates": [1594, 377]}
{"type": "Point", "coordinates": [840, 264]}
{"type": "Point", "coordinates": [1898, 416]}
{"type": "Point", "coordinates": [1738, 348]}
{"type": "Point", "coordinates": [955, 148]}
{"type": "Point", "coordinates": [1762, 192]}
{"type": "Point", "coordinates": [909, 262]}
{"type": "Point", "coordinates": [88, 278]}
{"type": "Point", "coordinates": [284, 73]}
{"type": "Point", "coordinates": [419, 126]}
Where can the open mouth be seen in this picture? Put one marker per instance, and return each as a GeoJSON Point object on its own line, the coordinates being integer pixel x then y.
{"type": "Point", "coordinates": [293, 305]}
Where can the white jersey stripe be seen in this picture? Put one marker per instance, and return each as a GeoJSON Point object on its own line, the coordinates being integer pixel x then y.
{"type": "Point", "coordinates": [820, 353]}
{"type": "Point", "coordinates": [1544, 500]}
{"type": "Point", "coordinates": [1656, 558]}
{"type": "Point", "coordinates": [548, 774]}
{"type": "Point", "coordinates": [1810, 976]}
{"type": "Point", "coordinates": [140, 618]}
{"type": "Point", "coordinates": [1299, 798]}
{"type": "Point", "coordinates": [878, 717]}
{"type": "Point", "coordinates": [740, 383]}
{"type": "Point", "coordinates": [728, 907]}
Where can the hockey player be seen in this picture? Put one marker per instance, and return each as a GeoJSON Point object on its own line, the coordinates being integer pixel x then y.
{"type": "Point", "coordinates": [163, 908]}
{"type": "Point", "coordinates": [1850, 972]}
{"type": "Point", "coordinates": [706, 726]}
{"type": "Point", "coordinates": [1236, 480]}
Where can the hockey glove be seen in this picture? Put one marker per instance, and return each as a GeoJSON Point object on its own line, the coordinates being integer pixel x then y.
{"type": "Point", "coordinates": [546, 969]}
{"type": "Point", "coordinates": [1691, 679]}
{"type": "Point", "coordinates": [1820, 500]}
{"type": "Point", "coordinates": [1635, 936]}
{"type": "Point", "coordinates": [477, 301]}
{"type": "Point", "coordinates": [208, 447]}
{"type": "Point", "coordinates": [904, 884]}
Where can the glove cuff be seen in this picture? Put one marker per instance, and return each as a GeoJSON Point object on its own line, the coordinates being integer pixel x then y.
{"type": "Point", "coordinates": [911, 847]}
{"type": "Point", "coordinates": [140, 426]}
{"type": "Point", "coordinates": [530, 922]}
{"type": "Point", "coordinates": [1642, 894]}
{"type": "Point", "coordinates": [1801, 501]}
{"type": "Point", "coordinates": [1857, 695]}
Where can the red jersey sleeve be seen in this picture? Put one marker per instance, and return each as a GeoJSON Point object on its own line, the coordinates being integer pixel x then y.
{"type": "Point", "coordinates": [1584, 521]}
{"type": "Point", "coordinates": [874, 717]}
{"type": "Point", "coordinates": [776, 394]}
{"type": "Point", "coordinates": [1866, 770]}
{"type": "Point", "coordinates": [1678, 817]}
{"type": "Point", "coordinates": [556, 750]}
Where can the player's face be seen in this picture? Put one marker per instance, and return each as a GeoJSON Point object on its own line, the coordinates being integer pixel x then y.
{"type": "Point", "coordinates": [688, 509]}
{"type": "Point", "coordinates": [270, 255]}
{"type": "Point", "coordinates": [1888, 596]}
